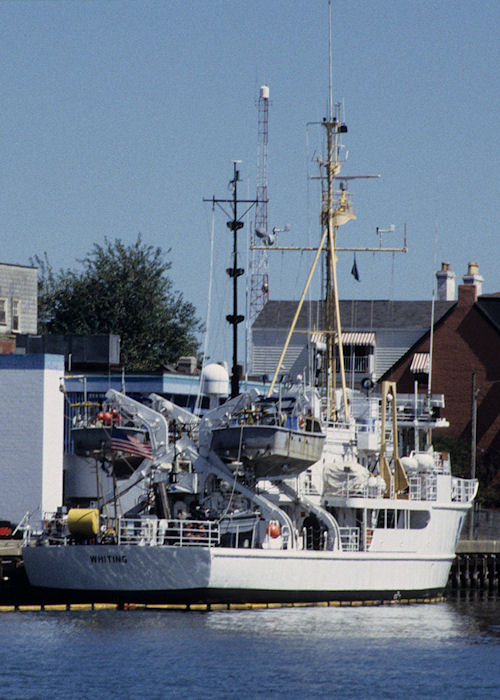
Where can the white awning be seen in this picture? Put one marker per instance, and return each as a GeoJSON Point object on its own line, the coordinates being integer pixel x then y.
{"type": "Point", "coordinates": [318, 338]}
{"type": "Point", "coordinates": [361, 338]}
{"type": "Point", "coordinates": [348, 338]}
{"type": "Point", "coordinates": [420, 363]}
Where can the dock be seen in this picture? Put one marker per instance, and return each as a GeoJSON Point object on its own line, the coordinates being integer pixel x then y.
{"type": "Point", "coordinates": [477, 566]}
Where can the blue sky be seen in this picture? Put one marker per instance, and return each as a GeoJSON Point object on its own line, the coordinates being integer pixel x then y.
{"type": "Point", "coordinates": [119, 117]}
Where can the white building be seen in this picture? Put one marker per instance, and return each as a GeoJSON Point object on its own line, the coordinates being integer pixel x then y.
{"type": "Point", "coordinates": [375, 334]}
{"type": "Point", "coordinates": [31, 434]}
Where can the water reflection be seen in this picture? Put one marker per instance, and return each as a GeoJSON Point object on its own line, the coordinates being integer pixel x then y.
{"type": "Point", "coordinates": [457, 618]}
{"type": "Point", "coordinates": [390, 651]}
{"type": "Point", "coordinates": [481, 607]}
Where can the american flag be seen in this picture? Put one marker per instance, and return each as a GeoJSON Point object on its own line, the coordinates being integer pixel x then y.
{"type": "Point", "coordinates": [121, 441]}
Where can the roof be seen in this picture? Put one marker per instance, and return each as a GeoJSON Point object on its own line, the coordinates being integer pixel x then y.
{"type": "Point", "coordinates": [489, 305]}
{"type": "Point", "coordinates": [26, 267]}
{"type": "Point", "coordinates": [355, 314]}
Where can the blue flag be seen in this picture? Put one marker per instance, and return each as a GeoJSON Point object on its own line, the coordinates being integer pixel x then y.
{"type": "Point", "coordinates": [354, 270]}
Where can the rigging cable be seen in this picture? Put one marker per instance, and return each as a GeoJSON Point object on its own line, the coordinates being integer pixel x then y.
{"type": "Point", "coordinates": [433, 303]}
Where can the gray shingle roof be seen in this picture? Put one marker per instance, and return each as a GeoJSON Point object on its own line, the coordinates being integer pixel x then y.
{"type": "Point", "coordinates": [355, 314]}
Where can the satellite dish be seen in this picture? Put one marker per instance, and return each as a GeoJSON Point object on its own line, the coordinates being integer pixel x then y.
{"type": "Point", "coordinates": [267, 238]}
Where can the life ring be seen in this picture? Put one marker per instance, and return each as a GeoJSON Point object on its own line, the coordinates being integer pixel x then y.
{"type": "Point", "coordinates": [273, 530]}
{"type": "Point", "coordinates": [301, 422]}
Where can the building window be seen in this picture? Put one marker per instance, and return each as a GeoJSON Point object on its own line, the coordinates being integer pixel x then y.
{"type": "Point", "coordinates": [356, 358]}
{"type": "Point", "coordinates": [16, 305]}
{"type": "Point", "coordinates": [3, 312]}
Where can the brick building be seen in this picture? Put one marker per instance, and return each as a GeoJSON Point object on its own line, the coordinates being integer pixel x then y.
{"type": "Point", "coordinates": [466, 344]}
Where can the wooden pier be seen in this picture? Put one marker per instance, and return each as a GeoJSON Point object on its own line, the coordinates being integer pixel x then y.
{"type": "Point", "coordinates": [477, 566]}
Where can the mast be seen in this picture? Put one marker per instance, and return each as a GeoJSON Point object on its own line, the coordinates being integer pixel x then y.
{"type": "Point", "coordinates": [234, 272]}
{"type": "Point", "coordinates": [234, 224]}
{"type": "Point", "coordinates": [336, 211]}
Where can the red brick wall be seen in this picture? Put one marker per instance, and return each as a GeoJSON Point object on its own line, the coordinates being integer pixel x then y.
{"type": "Point", "coordinates": [7, 346]}
{"type": "Point", "coordinates": [464, 343]}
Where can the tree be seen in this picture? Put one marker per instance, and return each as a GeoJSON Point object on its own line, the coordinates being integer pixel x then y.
{"type": "Point", "coordinates": [122, 289]}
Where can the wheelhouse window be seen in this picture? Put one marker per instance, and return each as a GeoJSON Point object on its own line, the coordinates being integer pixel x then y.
{"type": "Point", "coordinates": [403, 519]}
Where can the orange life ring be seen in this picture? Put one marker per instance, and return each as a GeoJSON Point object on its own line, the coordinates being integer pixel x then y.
{"type": "Point", "coordinates": [273, 530]}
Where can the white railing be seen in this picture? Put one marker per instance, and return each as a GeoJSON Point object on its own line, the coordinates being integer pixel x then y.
{"type": "Point", "coordinates": [422, 488]}
{"type": "Point", "coordinates": [148, 532]}
{"type": "Point", "coordinates": [153, 532]}
{"type": "Point", "coordinates": [429, 487]}
{"type": "Point", "coordinates": [415, 488]}
{"type": "Point", "coordinates": [307, 487]}
{"type": "Point", "coordinates": [350, 489]}
{"type": "Point", "coordinates": [349, 539]}
{"type": "Point", "coordinates": [463, 490]}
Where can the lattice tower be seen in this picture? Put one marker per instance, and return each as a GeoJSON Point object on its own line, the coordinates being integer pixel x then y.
{"type": "Point", "coordinates": [259, 281]}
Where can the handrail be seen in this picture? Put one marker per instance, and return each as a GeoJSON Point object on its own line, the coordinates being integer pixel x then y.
{"type": "Point", "coordinates": [154, 532]}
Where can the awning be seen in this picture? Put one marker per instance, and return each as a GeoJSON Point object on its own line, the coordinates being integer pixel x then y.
{"type": "Point", "coordinates": [355, 338]}
{"type": "Point", "coordinates": [420, 363]}
{"type": "Point", "coordinates": [318, 338]}
{"type": "Point", "coordinates": [348, 338]}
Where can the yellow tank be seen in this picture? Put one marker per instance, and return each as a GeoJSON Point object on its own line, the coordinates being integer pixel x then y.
{"type": "Point", "coordinates": [83, 521]}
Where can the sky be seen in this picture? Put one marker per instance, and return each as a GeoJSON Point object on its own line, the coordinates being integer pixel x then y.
{"type": "Point", "coordinates": [120, 117]}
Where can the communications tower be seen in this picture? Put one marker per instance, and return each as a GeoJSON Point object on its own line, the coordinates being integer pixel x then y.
{"type": "Point", "coordinates": [259, 280]}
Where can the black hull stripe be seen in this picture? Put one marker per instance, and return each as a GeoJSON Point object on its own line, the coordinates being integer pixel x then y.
{"type": "Point", "coordinates": [46, 596]}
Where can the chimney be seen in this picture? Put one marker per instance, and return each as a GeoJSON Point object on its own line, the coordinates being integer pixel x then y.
{"type": "Point", "coordinates": [474, 278]}
{"type": "Point", "coordinates": [445, 283]}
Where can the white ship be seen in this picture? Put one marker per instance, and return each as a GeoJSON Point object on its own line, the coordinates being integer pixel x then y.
{"type": "Point", "coordinates": [208, 532]}
{"type": "Point", "coordinates": [316, 504]}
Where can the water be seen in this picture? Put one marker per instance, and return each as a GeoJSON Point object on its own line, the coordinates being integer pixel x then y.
{"type": "Point", "coordinates": [445, 650]}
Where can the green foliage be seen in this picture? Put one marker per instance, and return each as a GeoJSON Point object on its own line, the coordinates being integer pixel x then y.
{"type": "Point", "coordinates": [488, 470]}
{"type": "Point", "coordinates": [122, 289]}
{"type": "Point", "coordinates": [487, 467]}
{"type": "Point", "coordinates": [459, 453]}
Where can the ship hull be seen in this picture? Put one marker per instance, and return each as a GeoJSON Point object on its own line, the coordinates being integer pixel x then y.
{"type": "Point", "coordinates": [165, 574]}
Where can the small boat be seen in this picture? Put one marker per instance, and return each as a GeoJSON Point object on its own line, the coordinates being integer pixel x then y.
{"type": "Point", "coordinates": [273, 436]}
{"type": "Point", "coordinates": [102, 435]}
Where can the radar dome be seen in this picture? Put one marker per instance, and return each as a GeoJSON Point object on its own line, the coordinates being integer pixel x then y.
{"type": "Point", "coordinates": [214, 380]}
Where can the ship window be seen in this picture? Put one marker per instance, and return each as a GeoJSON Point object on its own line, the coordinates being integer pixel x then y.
{"type": "Point", "coordinates": [3, 312]}
{"type": "Point", "coordinates": [403, 519]}
{"type": "Point", "coordinates": [16, 304]}
{"type": "Point", "coordinates": [419, 519]}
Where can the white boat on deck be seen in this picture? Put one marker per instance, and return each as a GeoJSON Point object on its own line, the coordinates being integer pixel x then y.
{"type": "Point", "coordinates": [274, 436]}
